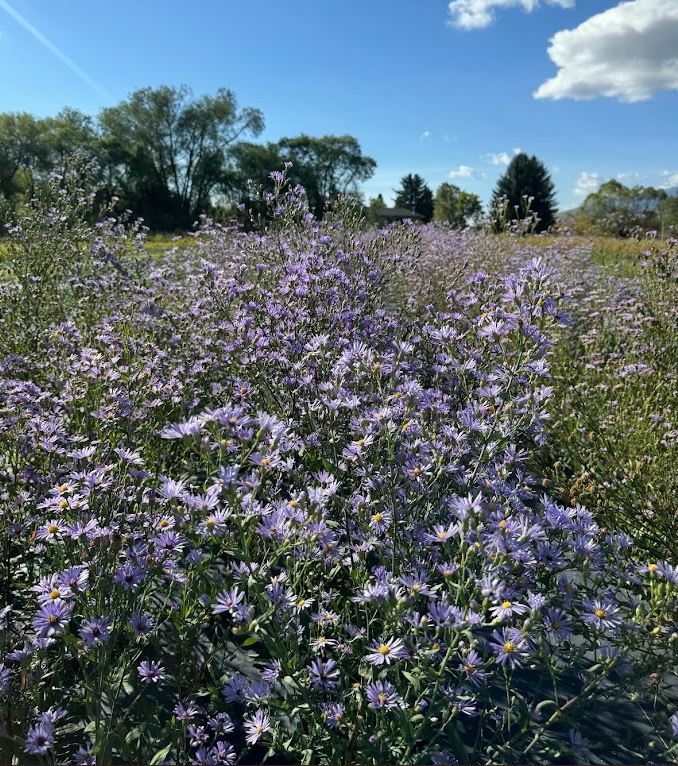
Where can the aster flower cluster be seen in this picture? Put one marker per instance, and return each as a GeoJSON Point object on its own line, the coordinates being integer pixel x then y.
{"type": "Point", "coordinates": [259, 505]}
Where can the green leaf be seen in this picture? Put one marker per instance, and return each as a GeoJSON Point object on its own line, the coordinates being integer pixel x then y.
{"type": "Point", "coordinates": [160, 756]}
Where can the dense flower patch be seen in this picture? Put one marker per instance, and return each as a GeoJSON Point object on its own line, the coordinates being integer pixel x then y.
{"type": "Point", "coordinates": [257, 504]}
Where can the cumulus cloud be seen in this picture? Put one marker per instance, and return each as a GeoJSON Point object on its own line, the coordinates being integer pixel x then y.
{"type": "Point", "coordinates": [670, 179]}
{"type": "Point", "coordinates": [463, 171]}
{"type": "Point", "coordinates": [586, 184]}
{"type": "Point", "coordinates": [500, 158]}
{"type": "Point", "coordinates": [476, 14]}
{"type": "Point", "coordinates": [628, 52]}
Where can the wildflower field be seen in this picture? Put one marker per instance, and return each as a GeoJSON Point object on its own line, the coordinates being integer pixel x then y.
{"type": "Point", "coordinates": [323, 494]}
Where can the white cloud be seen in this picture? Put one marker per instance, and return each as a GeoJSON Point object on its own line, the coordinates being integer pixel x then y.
{"type": "Point", "coordinates": [670, 179]}
{"type": "Point", "coordinates": [463, 171]}
{"type": "Point", "coordinates": [500, 158]}
{"type": "Point", "coordinates": [425, 136]}
{"type": "Point", "coordinates": [628, 52]}
{"type": "Point", "coordinates": [586, 184]}
{"type": "Point", "coordinates": [475, 14]}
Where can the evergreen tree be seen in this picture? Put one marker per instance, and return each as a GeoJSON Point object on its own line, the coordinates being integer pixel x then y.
{"type": "Point", "coordinates": [415, 195]}
{"type": "Point", "coordinates": [527, 180]}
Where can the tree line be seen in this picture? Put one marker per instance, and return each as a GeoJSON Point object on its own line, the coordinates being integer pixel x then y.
{"type": "Point", "coordinates": [170, 157]}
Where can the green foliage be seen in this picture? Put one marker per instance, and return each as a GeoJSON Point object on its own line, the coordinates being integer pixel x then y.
{"type": "Point", "coordinates": [668, 214]}
{"type": "Point", "coordinates": [527, 186]}
{"type": "Point", "coordinates": [457, 207]}
{"type": "Point", "coordinates": [621, 211]}
{"type": "Point", "coordinates": [614, 441]}
{"type": "Point", "coordinates": [168, 151]}
{"type": "Point", "coordinates": [51, 264]}
{"type": "Point", "coordinates": [328, 167]}
{"type": "Point", "coordinates": [415, 195]}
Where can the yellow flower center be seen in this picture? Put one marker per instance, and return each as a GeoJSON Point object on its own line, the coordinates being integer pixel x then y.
{"type": "Point", "coordinates": [293, 503]}
{"type": "Point", "coordinates": [301, 602]}
{"type": "Point", "coordinates": [52, 529]}
{"type": "Point", "coordinates": [509, 647]}
{"type": "Point", "coordinates": [416, 470]}
{"type": "Point", "coordinates": [599, 613]}
{"type": "Point", "coordinates": [378, 517]}
{"type": "Point", "coordinates": [63, 488]}
{"type": "Point", "coordinates": [52, 619]}
{"type": "Point", "coordinates": [265, 460]}
{"type": "Point", "coordinates": [54, 594]}
{"type": "Point", "coordinates": [164, 523]}
{"type": "Point", "coordinates": [320, 640]}
{"type": "Point", "coordinates": [210, 523]}
{"type": "Point", "coordinates": [360, 442]}
{"type": "Point", "coordinates": [506, 604]}
{"type": "Point", "coordinates": [63, 504]}
{"type": "Point", "coordinates": [442, 535]}
{"type": "Point", "coordinates": [503, 524]}
{"type": "Point", "coordinates": [384, 650]}
{"type": "Point", "coordinates": [381, 697]}
{"type": "Point", "coordinates": [652, 568]}
{"type": "Point", "coordinates": [416, 587]}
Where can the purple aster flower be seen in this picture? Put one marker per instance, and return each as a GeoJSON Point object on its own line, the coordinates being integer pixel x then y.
{"type": "Point", "coordinates": [601, 614]}
{"type": "Point", "coordinates": [84, 756]}
{"type": "Point", "coordinates": [507, 609]}
{"type": "Point", "coordinates": [74, 579]}
{"type": "Point", "coordinates": [382, 695]}
{"type": "Point", "coordinates": [151, 672]}
{"type": "Point", "coordinates": [52, 618]}
{"type": "Point", "coordinates": [52, 715]}
{"type": "Point", "coordinates": [558, 624]}
{"type": "Point", "coordinates": [221, 723]}
{"type": "Point", "coordinates": [141, 624]}
{"type": "Point", "coordinates": [5, 678]}
{"type": "Point", "coordinates": [271, 671]}
{"type": "Point", "coordinates": [441, 533]}
{"type": "Point", "coordinates": [333, 714]}
{"type": "Point", "coordinates": [668, 572]}
{"type": "Point", "coordinates": [256, 725]}
{"type": "Point", "coordinates": [129, 576]}
{"type": "Point", "coordinates": [186, 712]}
{"type": "Point", "coordinates": [323, 674]}
{"type": "Point", "coordinates": [198, 735]}
{"type": "Point", "coordinates": [509, 647]}
{"type": "Point", "coordinates": [472, 667]}
{"type": "Point", "coordinates": [95, 632]}
{"type": "Point", "coordinates": [39, 739]}
{"type": "Point", "coordinates": [227, 600]}
{"type": "Point", "coordinates": [674, 724]}
{"type": "Point", "coordinates": [385, 652]}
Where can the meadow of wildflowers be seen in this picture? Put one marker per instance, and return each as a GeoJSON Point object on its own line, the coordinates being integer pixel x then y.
{"type": "Point", "coordinates": [295, 496]}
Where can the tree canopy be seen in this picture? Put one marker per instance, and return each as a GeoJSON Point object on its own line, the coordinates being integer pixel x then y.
{"type": "Point", "coordinates": [170, 156]}
{"type": "Point", "coordinates": [457, 207]}
{"type": "Point", "coordinates": [168, 151]}
{"type": "Point", "coordinates": [618, 210]}
{"type": "Point", "coordinates": [415, 195]}
{"type": "Point", "coordinates": [527, 183]}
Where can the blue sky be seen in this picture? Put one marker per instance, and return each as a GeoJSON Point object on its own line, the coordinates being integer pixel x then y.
{"type": "Point", "coordinates": [443, 89]}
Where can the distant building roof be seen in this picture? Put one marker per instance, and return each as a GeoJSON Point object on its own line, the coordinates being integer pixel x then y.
{"type": "Point", "coordinates": [398, 213]}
